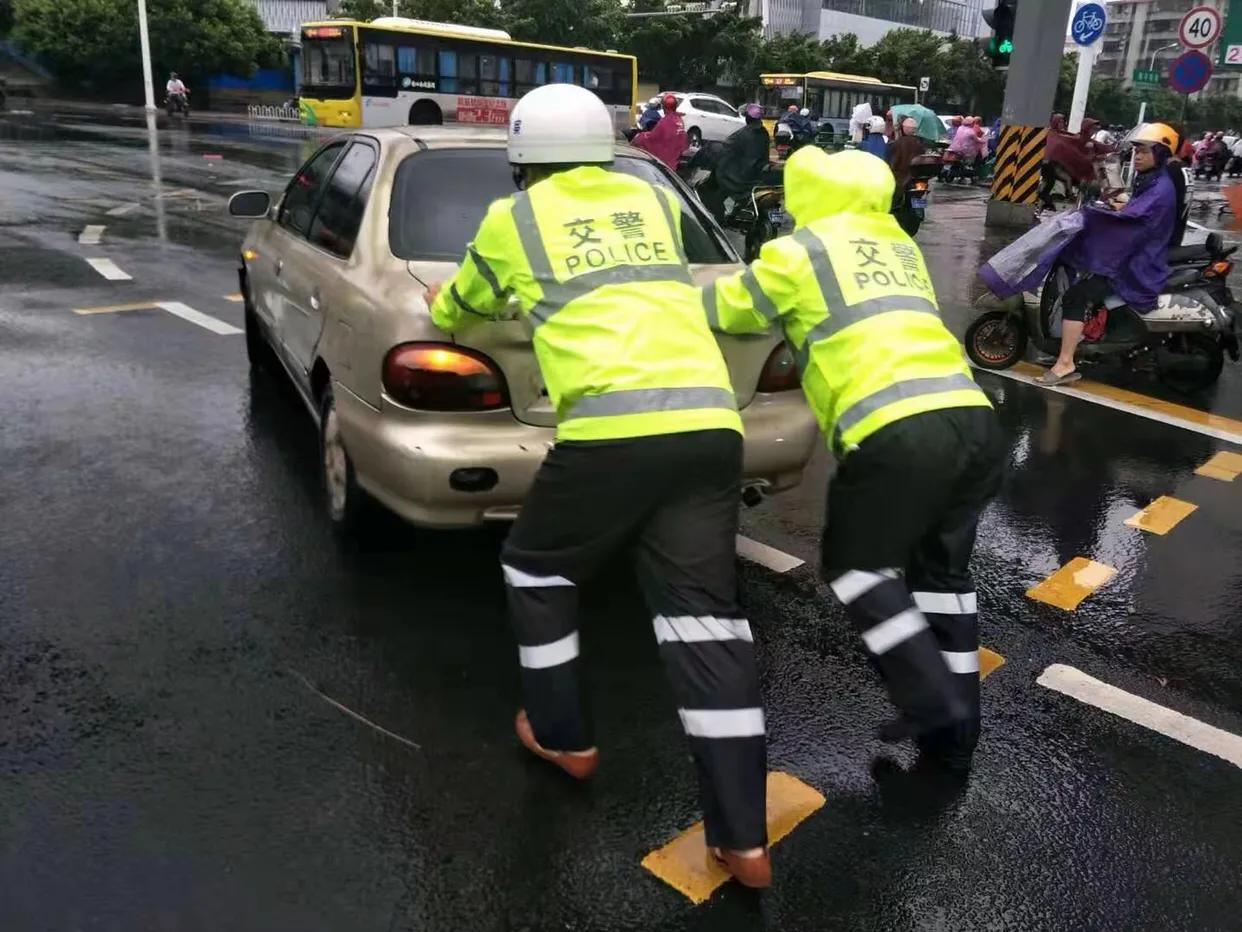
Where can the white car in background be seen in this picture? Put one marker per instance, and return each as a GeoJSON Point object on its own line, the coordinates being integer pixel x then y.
{"type": "Point", "coordinates": [707, 117]}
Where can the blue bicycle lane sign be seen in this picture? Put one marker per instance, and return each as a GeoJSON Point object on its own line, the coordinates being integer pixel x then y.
{"type": "Point", "coordinates": [1088, 23]}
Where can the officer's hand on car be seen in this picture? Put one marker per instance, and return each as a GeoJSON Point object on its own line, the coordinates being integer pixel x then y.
{"type": "Point", "coordinates": [433, 289]}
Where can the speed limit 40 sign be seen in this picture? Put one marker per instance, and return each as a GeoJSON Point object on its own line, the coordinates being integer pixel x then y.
{"type": "Point", "coordinates": [1199, 28]}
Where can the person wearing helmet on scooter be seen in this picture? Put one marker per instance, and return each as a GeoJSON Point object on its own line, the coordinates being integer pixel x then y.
{"type": "Point", "coordinates": [1123, 251]}
{"type": "Point", "coordinates": [647, 459]}
{"type": "Point", "coordinates": [740, 164]}
{"type": "Point", "coordinates": [667, 140]}
{"type": "Point", "coordinates": [874, 142]}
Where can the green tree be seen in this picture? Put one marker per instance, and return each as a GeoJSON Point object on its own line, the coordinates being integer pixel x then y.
{"type": "Point", "coordinates": [902, 56]}
{"type": "Point", "coordinates": [844, 53]}
{"type": "Point", "coordinates": [97, 40]}
{"type": "Point", "coordinates": [6, 16]}
{"type": "Point", "coordinates": [692, 52]}
{"type": "Point", "coordinates": [794, 53]}
{"type": "Point", "coordinates": [591, 23]}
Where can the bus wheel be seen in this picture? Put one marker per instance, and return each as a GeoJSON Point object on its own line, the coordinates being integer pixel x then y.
{"type": "Point", "coordinates": [426, 113]}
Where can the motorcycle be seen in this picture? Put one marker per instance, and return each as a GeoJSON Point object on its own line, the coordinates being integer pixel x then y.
{"type": "Point", "coordinates": [1183, 340]}
{"type": "Point", "coordinates": [911, 207]}
{"type": "Point", "coordinates": [787, 142]}
{"type": "Point", "coordinates": [177, 104]}
{"type": "Point", "coordinates": [955, 168]}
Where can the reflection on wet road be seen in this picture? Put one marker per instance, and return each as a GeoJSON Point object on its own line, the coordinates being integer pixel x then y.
{"type": "Point", "coordinates": [187, 657]}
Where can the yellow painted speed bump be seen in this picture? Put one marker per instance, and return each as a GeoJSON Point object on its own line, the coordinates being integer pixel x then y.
{"type": "Point", "coordinates": [989, 660]}
{"type": "Point", "coordinates": [1072, 583]}
{"type": "Point", "coordinates": [1162, 515]}
{"type": "Point", "coordinates": [684, 863]}
{"type": "Point", "coordinates": [1224, 466]}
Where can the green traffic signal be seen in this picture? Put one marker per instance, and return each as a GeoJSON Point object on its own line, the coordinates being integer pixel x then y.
{"type": "Point", "coordinates": [1006, 46]}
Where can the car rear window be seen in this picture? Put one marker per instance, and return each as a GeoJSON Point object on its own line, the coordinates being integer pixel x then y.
{"type": "Point", "coordinates": [439, 198]}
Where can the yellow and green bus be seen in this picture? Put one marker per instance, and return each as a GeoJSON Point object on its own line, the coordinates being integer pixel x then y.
{"type": "Point", "coordinates": [829, 94]}
{"type": "Point", "coordinates": [395, 71]}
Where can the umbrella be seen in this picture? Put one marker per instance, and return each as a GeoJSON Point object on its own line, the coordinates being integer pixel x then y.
{"type": "Point", "coordinates": [926, 123]}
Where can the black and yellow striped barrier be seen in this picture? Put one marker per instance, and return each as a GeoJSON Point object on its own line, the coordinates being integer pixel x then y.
{"type": "Point", "coordinates": [1019, 154]}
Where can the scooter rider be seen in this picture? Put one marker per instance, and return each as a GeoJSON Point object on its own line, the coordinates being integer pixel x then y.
{"type": "Point", "coordinates": [176, 88]}
{"type": "Point", "coordinates": [1123, 251]}
{"type": "Point", "coordinates": [648, 453]}
{"type": "Point", "coordinates": [920, 453]}
{"type": "Point", "coordinates": [740, 164]}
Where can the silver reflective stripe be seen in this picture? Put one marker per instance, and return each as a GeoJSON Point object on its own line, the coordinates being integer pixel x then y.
{"type": "Point", "coordinates": [849, 586]}
{"type": "Point", "coordinates": [961, 661]}
{"type": "Point", "coordinates": [899, 391]}
{"type": "Point", "coordinates": [763, 304]}
{"type": "Point", "coordinates": [522, 580]}
{"type": "Point", "coordinates": [709, 306]}
{"type": "Point", "coordinates": [542, 656]}
{"type": "Point", "coordinates": [674, 229]}
{"type": "Point", "coordinates": [486, 271]}
{"type": "Point", "coordinates": [643, 400]}
{"type": "Point", "coordinates": [946, 603]}
{"type": "Point", "coordinates": [840, 314]}
{"type": "Point", "coordinates": [898, 629]}
{"type": "Point", "coordinates": [463, 303]}
{"type": "Point", "coordinates": [692, 628]}
{"type": "Point", "coordinates": [556, 294]}
{"type": "Point", "coordinates": [723, 723]}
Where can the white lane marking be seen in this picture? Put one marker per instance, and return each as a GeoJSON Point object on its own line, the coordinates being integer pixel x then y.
{"type": "Point", "coordinates": [122, 210]}
{"type": "Point", "coordinates": [1175, 725]}
{"type": "Point", "coordinates": [767, 556]}
{"type": "Point", "coordinates": [185, 312]}
{"type": "Point", "coordinates": [109, 270]}
{"type": "Point", "coordinates": [1116, 405]}
{"type": "Point", "coordinates": [91, 235]}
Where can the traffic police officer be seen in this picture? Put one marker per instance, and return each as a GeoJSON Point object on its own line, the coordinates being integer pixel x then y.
{"type": "Point", "coordinates": [648, 453]}
{"type": "Point", "coordinates": [918, 446]}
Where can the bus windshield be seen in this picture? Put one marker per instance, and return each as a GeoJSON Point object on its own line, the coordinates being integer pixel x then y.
{"type": "Point", "coordinates": [328, 66]}
{"type": "Point", "coordinates": [775, 99]}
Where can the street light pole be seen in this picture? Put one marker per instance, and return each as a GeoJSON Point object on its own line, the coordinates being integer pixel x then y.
{"type": "Point", "coordinates": [1151, 66]}
{"type": "Point", "coordinates": [146, 55]}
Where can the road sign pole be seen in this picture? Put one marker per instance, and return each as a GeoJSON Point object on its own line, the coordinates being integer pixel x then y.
{"type": "Point", "coordinates": [1078, 107]}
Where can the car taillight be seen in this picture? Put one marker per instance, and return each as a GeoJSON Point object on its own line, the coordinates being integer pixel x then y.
{"type": "Point", "coordinates": [779, 372]}
{"type": "Point", "coordinates": [1219, 269]}
{"type": "Point", "coordinates": [443, 377]}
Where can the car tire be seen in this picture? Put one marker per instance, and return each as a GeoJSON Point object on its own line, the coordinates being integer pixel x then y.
{"type": "Point", "coordinates": [695, 135]}
{"type": "Point", "coordinates": [347, 504]}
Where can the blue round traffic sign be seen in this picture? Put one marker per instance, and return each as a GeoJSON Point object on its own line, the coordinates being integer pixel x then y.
{"type": "Point", "coordinates": [1190, 72]}
{"type": "Point", "coordinates": [1088, 23]}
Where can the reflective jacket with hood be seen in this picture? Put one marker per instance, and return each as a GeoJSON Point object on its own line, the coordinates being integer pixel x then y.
{"type": "Point", "coordinates": [853, 295]}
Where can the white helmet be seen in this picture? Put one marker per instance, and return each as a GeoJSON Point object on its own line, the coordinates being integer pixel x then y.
{"type": "Point", "coordinates": [877, 125]}
{"type": "Point", "coordinates": [805, 111]}
{"type": "Point", "coordinates": [560, 124]}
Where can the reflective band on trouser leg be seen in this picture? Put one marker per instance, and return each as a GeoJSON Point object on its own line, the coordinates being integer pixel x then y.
{"type": "Point", "coordinates": [544, 611]}
{"type": "Point", "coordinates": [645, 400]}
{"type": "Point", "coordinates": [954, 621]}
{"type": "Point", "coordinates": [899, 391]}
{"type": "Point", "coordinates": [903, 646]}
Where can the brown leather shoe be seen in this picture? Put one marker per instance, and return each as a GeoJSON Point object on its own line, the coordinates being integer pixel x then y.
{"type": "Point", "coordinates": [755, 871]}
{"type": "Point", "coordinates": [578, 764]}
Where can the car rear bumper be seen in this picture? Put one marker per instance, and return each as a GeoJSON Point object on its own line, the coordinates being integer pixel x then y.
{"type": "Point", "coordinates": [411, 461]}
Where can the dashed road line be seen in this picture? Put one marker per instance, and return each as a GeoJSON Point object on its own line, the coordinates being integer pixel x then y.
{"type": "Point", "coordinates": [1162, 515]}
{"type": "Point", "coordinates": [206, 321]}
{"type": "Point", "coordinates": [122, 209]}
{"type": "Point", "coordinates": [1223, 466]}
{"type": "Point", "coordinates": [684, 863]}
{"type": "Point", "coordinates": [1190, 731]}
{"type": "Point", "coordinates": [92, 234]}
{"type": "Point", "coordinates": [1119, 399]}
{"type": "Point", "coordinates": [773, 559]}
{"type": "Point", "coordinates": [1072, 583]}
{"type": "Point", "coordinates": [109, 270]}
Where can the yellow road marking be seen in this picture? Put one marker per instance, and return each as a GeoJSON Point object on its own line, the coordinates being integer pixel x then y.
{"type": "Point", "coordinates": [1223, 466]}
{"type": "Point", "coordinates": [1072, 583]}
{"type": "Point", "coordinates": [235, 297]}
{"type": "Point", "coordinates": [989, 660]}
{"type": "Point", "coordinates": [684, 863]}
{"type": "Point", "coordinates": [1162, 515]}
{"type": "Point", "coordinates": [110, 308]}
{"type": "Point", "coordinates": [1163, 410]}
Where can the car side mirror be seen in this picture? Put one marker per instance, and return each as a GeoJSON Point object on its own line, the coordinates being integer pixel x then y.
{"type": "Point", "coordinates": [252, 204]}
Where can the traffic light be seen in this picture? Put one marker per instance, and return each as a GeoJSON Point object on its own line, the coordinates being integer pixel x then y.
{"type": "Point", "coordinates": [1001, 20]}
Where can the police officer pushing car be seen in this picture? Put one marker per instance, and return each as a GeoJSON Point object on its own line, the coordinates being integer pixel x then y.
{"type": "Point", "coordinates": [648, 453]}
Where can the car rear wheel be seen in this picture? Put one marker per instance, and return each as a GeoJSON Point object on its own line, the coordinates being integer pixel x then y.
{"type": "Point", "coordinates": [348, 506]}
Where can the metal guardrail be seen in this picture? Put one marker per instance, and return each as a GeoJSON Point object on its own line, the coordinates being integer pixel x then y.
{"type": "Point", "coordinates": [271, 112]}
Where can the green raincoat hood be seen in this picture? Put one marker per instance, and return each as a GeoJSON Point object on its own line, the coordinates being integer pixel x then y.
{"type": "Point", "coordinates": [819, 185]}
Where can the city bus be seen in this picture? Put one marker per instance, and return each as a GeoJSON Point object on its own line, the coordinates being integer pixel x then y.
{"type": "Point", "coordinates": [395, 71]}
{"type": "Point", "coordinates": [828, 95]}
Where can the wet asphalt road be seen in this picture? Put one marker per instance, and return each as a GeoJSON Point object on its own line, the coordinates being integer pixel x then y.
{"type": "Point", "coordinates": [174, 611]}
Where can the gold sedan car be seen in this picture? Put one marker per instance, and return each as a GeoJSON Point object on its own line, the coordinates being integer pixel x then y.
{"type": "Point", "coordinates": [446, 430]}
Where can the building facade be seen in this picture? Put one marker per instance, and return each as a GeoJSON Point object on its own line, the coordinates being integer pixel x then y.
{"type": "Point", "coordinates": [285, 17]}
{"type": "Point", "coordinates": [1144, 35]}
